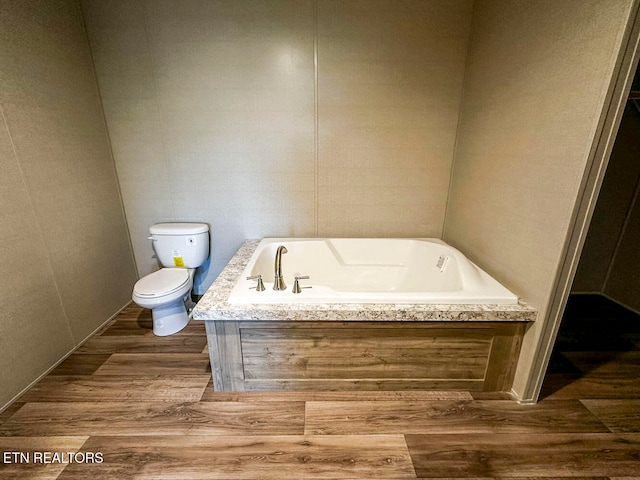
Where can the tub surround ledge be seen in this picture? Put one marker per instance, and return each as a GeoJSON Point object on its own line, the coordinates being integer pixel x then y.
{"type": "Point", "coordinates": [214, 305]}
{"type": "Point", "coordinates": [268, 347]}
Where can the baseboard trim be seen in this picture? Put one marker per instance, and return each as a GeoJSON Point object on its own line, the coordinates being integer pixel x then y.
{"type": "Point", "coordinates": [515, 396]}
{"type": "Point", "coordinates": [67, 355]}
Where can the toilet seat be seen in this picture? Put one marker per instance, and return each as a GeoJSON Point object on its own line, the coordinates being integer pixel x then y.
{"type": "Point", "coordinates": [162, 283]}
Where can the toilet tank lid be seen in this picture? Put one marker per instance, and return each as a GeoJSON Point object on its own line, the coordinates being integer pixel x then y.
{"type": "Point", "coordinates": [178, 228]}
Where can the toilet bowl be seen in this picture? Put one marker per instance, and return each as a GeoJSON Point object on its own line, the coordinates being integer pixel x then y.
{"type": "Point", "coordinates": [167, 292]}
{"type": "Point", "coordinates": [180, 248]}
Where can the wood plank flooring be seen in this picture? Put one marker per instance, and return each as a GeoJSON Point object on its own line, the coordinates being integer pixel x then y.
{"type": "Point", "coordinates": [146, 405]}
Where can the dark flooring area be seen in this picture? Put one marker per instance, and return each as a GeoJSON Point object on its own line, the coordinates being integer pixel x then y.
{"type": "Point", "coordinates": [145, 407]}
{"type": "Point", "coordinates": [597, 344]}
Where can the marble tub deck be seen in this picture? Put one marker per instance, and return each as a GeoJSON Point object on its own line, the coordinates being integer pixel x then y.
{"type": "Point", "coordinates": [214, 306]}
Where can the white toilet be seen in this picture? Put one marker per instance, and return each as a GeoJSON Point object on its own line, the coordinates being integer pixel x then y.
{"type": "Point", "coordinates": [180, 248]}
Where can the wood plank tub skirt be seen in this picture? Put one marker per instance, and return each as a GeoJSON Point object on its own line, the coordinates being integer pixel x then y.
{"type": "Point", "coordinates": [321, 355]}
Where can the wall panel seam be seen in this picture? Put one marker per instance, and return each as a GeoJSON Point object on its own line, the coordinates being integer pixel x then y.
{"type": "Point", "coordinates": [458, 124]}
{"type": "Point", "coordinates": [159, 112]}
{"type": "Point", "coordinates": [316, 121]}
{"type": "Point", "coordinates": [621, 236]}
{"type": "Point", "coordinates": [108, 135]}
{"type": "Point", "coordinates": [37, 223]}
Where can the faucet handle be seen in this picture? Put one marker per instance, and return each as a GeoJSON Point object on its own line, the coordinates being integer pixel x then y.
{"type": "Point", "coordinates": [296, 284]}
{"type": "Point", "coordinates": [259, 286]}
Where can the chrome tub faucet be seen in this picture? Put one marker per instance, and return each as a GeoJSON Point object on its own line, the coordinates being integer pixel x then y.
{"type": "Point", "coordinates": [278, 282]}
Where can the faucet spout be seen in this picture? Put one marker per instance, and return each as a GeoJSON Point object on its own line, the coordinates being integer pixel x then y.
{"type": "Point", "coordinates": [278, 282]}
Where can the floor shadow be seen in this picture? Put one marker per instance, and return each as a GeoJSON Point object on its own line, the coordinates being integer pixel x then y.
{"type": "Point", "coordinates": [144, 320]}
{"type": "Point", "coordinates": [594, 331]}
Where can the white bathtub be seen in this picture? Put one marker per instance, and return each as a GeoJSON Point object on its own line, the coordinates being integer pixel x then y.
{"type": "Point", "coordinates": [411, 271]}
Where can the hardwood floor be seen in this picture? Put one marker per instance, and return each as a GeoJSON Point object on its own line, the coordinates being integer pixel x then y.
{"type": "Point", "coordinates": [129, 405]}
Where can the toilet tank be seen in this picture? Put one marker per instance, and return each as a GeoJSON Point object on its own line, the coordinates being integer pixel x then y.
{"type": "Point", "coordinates": [180, 244]}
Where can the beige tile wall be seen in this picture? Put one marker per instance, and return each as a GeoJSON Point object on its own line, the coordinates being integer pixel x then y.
{"type": "Point", "coordinates": [389, 87]}
{"type": "Point", "coordinates": [67, 265]}
{"type": "Point", "coordinates": [210, 110]}
{"type": "Point", "coordinates": [536, 80]}
{"type": "Point", "coordinates": [214, 116]}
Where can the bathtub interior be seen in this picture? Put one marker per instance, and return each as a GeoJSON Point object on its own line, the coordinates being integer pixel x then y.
{"type": "Point", "coordinates": [369, 271]}
{"type": "Point", "coordinates": [355, 265]}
